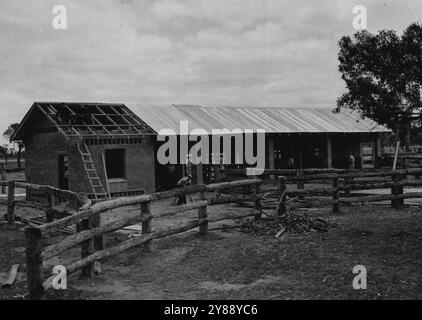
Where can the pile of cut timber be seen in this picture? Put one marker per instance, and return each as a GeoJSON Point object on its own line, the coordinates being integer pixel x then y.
{"type": "Point", "coordinates": [294, 223]}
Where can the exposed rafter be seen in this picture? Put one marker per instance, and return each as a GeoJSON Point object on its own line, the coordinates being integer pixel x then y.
{"type": "Point", "coordinates": [94, 119]}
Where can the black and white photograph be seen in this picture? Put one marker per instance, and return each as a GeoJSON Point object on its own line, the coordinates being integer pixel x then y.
{"type": "Point", "coordinates": [210, 155]}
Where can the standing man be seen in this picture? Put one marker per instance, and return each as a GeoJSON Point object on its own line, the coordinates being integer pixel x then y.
{"type": "Point", "coordinates": [351, 161]}
{"type": "Point", "coordinates": [183, 182]}
{"type": "Point", "coordinates": [291, 163]}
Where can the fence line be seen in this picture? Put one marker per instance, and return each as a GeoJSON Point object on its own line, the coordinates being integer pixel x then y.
{"type": "Point", "coordinates": [343, 183]}
{"type": "Point", "coordinates": [84, 214]}
{"type": "Point", "coordinates": [53, 195]}
{"type": "Point", "coordinates": [317, 173]}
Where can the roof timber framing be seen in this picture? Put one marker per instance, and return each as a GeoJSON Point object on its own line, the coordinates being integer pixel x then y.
{"type": "Point", "coordinates": [127, 120]}
{"type": "Point", "coordinates": [93, 119]}
{"type": "Point", "coordinates": [50, 119]}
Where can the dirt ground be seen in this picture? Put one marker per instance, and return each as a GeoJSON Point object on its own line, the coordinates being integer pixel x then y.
{"type": "Point", "coordinates": [235, 265]}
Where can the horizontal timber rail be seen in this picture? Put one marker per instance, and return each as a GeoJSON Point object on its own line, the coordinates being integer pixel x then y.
{"type": "Point", "coordinates": [53, 196]}
{"type": "Point", "coordinates": [355, 186]}
{"type": "Point", "coordinates": [104, 206]}
{"type": "Point", "coordinates": [345, 181]}
{"type": "Point", "coordinates": [317, 174]}
{"type": "Point", "coordinates": [89, 230]}
{"type": "Point", "coordinates": [382, 197]}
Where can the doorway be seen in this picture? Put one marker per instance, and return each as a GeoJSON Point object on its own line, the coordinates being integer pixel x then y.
{"type": "Point", "coordinates": [115, 162]}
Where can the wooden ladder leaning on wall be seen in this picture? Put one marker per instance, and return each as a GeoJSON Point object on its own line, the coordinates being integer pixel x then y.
{"type": "Point", "coordinates": [94, 180]}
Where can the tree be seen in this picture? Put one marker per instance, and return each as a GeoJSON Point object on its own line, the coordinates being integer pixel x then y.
{"type": "Point", "coordinates": [383, 76]}
{"type": "Point", "coordinates": [8, 134]}
{"type": "Point", "coordinates": [4, 152]}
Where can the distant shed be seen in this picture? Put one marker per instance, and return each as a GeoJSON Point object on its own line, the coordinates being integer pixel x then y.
{"type": "Point", "coordinates": [312, 137]}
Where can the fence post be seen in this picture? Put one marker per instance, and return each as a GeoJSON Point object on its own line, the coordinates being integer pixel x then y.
{"type": "Point", "coordinates": [258, 204]}
{"type": "Point", "coordinates": [34, 273]}
{"type": "Point", "coordinates": [336, 193]}
{"type": "Point", "coordinates": [87, 247]}
{"type": "Point", "coordinates": [51, 201]}
{"type": "Point", "coordinates": [282, 192]}
{"type": "Point", "coordinates": [11, 202]}
{"type": "Point", "coordinates": [199, 174]}
{"type": "Point", "coordinates": [400, 189]}
{"type": "Point", "coordinates": [203, 214]}
{"type": "Point", "coordinates": [98, 240]}
{"type": "Point", "coordinates": [347, 181]}
{"type": "Point", "coordinates": [300, 183]}
{"type": "Point", "coordinates": [3, 178]}
{"type": "Point", "coordinates": [395, 191]}
{"type": "Point", "coordinates": [146, 224]}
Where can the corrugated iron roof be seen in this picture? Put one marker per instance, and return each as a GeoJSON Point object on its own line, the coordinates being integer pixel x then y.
{"type": "Point", "coordinates": [271, 119]}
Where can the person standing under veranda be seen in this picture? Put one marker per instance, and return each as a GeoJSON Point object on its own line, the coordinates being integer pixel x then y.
{"type": "Point", "coordinates": [183, 182]}
{"type": "Point", "coordinates": [350, 166]}
{"type": "Point", "coordinates": [351, 161]}
{"type": "Point", "coordinates": [291, 163]}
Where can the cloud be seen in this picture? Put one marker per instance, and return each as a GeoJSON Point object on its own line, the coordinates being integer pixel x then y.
{"type": "Point", "coordinates": [243, 52]}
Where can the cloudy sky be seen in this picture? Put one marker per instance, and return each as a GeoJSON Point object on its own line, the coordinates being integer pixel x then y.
{"type": "Point", "coordinates": [230, 52]}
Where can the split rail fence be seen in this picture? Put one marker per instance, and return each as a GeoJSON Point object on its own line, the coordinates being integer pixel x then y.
{"type": "Point", "coordinates": [89, 231]}
{"type": "Point", "coordinates": [53, 198]}
{"type": "Point", "coordinates": [338, 185]}
{"type": "Point", "coordinates": [85, 214]}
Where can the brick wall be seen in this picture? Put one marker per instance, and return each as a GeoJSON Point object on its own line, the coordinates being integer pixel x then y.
{"type": "Point", "coordinates": [140, 166]}
{"type": "Point", "coordinates": [78, 179]}
{"type": "Point", "coordinates": [43, 149]}
{"type": "Point", "coordinates": [41, 156]}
